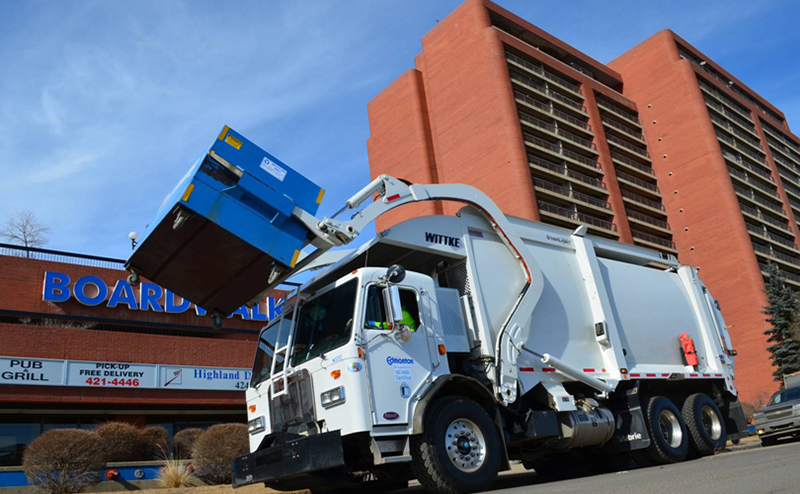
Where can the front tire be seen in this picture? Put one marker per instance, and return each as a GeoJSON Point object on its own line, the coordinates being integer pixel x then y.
{"type": "Point", "coordinates": [705, 424]}
{"type": "Point", "coordinates": [669, 442]}
{"type": "Point", "coordinates": [459, 450]}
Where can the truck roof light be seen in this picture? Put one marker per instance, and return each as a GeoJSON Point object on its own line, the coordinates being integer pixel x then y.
{"type": "Point", "coordinates": [252, 408]}
{"type": "Point", "coordinates": [336, 374]}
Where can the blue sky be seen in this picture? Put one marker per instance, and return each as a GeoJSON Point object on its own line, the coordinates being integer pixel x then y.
{"type": "Point", "coordinates": [104, 105]}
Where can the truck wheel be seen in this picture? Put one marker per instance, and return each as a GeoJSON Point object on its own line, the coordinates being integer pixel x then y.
{"type": "Point", "coordinates": [668, 436]}
{"type": "Point", "coordinates": [705, 424]}
{"type": "Point", "coordinates": [459, 451]}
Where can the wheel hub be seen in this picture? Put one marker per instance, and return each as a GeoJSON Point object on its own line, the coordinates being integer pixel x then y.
{"type": "Point", "coordinates": [670, 428]}
{"type": "Point", "coordinates": [465, 445]}
{"type": "Point", "coordinates": [711, 422]}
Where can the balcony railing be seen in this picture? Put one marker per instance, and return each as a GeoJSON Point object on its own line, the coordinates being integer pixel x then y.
{"type": "Point", "coordinates": [754, 183]}
{"type": "Point", "coordinates": [779, 135]}
{"type": "Point", "coordinates": [653, 239]}
{"type": "Point", "coordinates": [622, 128]}
{"type": "Point", "coordinates": [562, 170]}
{"type": "Point", "coordinates": [726, 100]}
{"type": "Point", "coordinates": [741, 147]}
{"type": "Point", "coordinates": [647, 219]}
{"type": "Point", "coordinates": [567, 192]}
{"type": "Point", "coordinates": [549, 92]}
{"type": "Point", "coordinates": [633, 163]}
{"type": "Point", "coordinates": [536, 122]}
{"type": "Point", "coordinates": [544, 73]}
{"type": "Point", "coordinates": [548, 108]}
{"type": "Point", "coordinates": [746, 164]}
{"type": "Point", "coordinates": [782, 240]}
{"type": "Point", "coordinates": [618, 111]}
{"type": "Point", "coordinates": [560, 150]}
{"type": "Point", "coordinates": [777, 146]}
{"type": "Point", "coordinates": [636, 149]}
{"type": "Point", "coordinates": [748, 125]}
{"type": "Point", "coordinates": [643, 200]}
{"type": "Point", "coordinates": [639, 182]}
{"type": "Point", "coordinates": [735, 130]}
{"type": "Point", "coordinates": [789, 276]}
{"type": "Point", "coordinates": [766, 219]}
{"type": "Point", "coordinates": [583, 218]}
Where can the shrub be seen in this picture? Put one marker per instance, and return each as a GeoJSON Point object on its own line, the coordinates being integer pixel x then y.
{"type": "Point", "coordinates": [121, 442]}
{"type": "Point", "coordinates": [174, 474]}
{"type": "Point", "coordinates": [215, 449]}
{"type": "Point", "coordinates": [183, 442]}
{"type": "Point", "coordinates": [64, 461]}
{"type": "Point", "coordinates": [156, 443]}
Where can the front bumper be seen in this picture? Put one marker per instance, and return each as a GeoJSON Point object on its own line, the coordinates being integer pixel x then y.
{"type": "Point", "coordinates": [291, 459]}
{"type": "Point", "coordinates": [777, 428]}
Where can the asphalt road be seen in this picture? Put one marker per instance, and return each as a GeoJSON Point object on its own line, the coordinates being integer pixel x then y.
{"type": "Point", "coordinates": [759, 470]}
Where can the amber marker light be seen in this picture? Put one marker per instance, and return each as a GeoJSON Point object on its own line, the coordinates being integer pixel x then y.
{"type": "Point", "coordinates": [336, 374]}
{"type": "Point", "coordinates": [252, 408]}
{"type": "Point", "coordinates": [360, 353]}
{"type": "Point", "coordinates": [442, 350]}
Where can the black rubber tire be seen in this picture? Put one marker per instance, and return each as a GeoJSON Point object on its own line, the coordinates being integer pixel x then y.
{"type": "Point", "coordinates": [699, 438]}
{"type": "Point", "coordinates": [660, 452]}
{"type": "Point", "coordinates": [430, 463]}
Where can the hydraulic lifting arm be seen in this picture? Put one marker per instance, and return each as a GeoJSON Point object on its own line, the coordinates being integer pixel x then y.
{"type": "Point", "coordinates": [390, 193]}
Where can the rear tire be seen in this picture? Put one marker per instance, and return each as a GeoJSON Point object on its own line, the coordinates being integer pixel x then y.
{"type": "Point", "coordinates": [705, 424]}
{"type": "Point", "coordinates": [669, 442]}
{"type": "Point", "coordinates": [459, 450]}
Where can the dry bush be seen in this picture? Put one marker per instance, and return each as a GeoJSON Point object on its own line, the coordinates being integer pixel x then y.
{"type": "Point", "coordinates": [156, 443]}
{"type": "Point", "coordinates": [121, 442]}
{"type": "Point", "coordinates": [64, 461]}
{"type": "Point", "coordinates": [174, 474]}
{"type": "Point", "coordinates": [749, 407]}
{"type": "Point", "coordinates": [183, 442]}
{"type": "Point", "coordinates": [214, 451]}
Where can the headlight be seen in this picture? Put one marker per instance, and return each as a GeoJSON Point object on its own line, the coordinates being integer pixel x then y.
{"type": "Point", "coordinates": [332, 397]}
{"type": "Point", "coordinates": [256, 425]}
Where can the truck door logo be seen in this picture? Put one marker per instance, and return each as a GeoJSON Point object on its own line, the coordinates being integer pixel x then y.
{"type": "Point", "coordinates": [436, 238]}
{"type": "Point", "coordinates": [391, 415]}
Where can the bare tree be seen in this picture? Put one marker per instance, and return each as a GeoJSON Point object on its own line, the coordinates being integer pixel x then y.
{"type": "Point", "coordinates": [23, 228]}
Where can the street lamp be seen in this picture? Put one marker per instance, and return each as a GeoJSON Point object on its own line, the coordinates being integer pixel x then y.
{"type": "Point", "coordinates": [133, 236]}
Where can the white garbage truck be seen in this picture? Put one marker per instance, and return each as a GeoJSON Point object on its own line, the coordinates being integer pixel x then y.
{"type": "Point", "coordinates": [449, 346]}
{"type": "Point", "coordinates": [446, 347]}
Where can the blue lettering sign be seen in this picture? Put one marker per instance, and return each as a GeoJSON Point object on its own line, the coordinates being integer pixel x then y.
{"type": "Point", "coordinates": [55, 287]}
{"type": "Point", "coordinates": [123, 294]}
{"type": "Point", "coordinates": [199, 310]}
{"type": "Point", "coordinates": [274, 308]}
{"type": "Point", "coordinates": [149, 294]}
{"type": "Point", "coordinates": [176, 309]}
{"type": "Point", "coordinates": [256, 314]}
{"type": "Point", "coordinates": [241, 312]}
{"type": "Point", "coordinates": [90, 300]}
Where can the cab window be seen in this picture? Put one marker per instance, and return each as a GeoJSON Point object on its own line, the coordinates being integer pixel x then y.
{"type": "Point", "coordinates": [376, 312]}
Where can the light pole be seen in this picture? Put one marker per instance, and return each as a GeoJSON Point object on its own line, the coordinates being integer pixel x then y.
{"type": "Point", "coordinates": [133, 236]}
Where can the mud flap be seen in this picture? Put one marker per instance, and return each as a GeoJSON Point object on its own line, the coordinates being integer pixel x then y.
{"type": "Point", "coordinates": [631, 430]}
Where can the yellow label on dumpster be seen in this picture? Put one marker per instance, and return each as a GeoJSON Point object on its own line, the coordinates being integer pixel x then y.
{"type": "Point", "coordinates": [233, 141]}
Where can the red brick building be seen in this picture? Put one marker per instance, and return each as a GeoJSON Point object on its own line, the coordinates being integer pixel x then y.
{"type": "Point", "coordinates": [555, 136]}
{"type": "Point", "coordinates": [75, 351]}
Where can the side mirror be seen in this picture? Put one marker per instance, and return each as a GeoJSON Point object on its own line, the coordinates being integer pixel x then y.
{"type": "Point", "coordinates": [395, 273]}
{"type": "Point", "coordinates": [391, 300]}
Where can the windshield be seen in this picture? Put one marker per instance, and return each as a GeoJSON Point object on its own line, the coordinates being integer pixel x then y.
{"type": "Point", "coordinates": [785, 395]}
{"type": "Point", "coordinates": [267, 342]}
{"type": "Point", "coordinates": [325, 322]}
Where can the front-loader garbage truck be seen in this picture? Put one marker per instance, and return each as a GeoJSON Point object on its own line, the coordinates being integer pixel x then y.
{"type": "Point", "coordinates": [449, 346]}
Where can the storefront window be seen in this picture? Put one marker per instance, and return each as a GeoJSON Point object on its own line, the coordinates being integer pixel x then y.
{"type": "Point", "coordinates": [13, 439]}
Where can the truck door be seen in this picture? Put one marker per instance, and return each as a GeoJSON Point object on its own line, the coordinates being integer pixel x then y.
{"type": "Point", "coordinates": [396, 369]}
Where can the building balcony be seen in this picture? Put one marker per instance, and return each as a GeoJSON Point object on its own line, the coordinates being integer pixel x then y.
{"type": "Point", "coordinates": [760, 170]}
{"type": "Point", "coordinates": [557, 132]}
{"type": "Point", "coordinates": [747, 180]}
{"type": "Point", "coordinates": [552, 211]}
{"type": "Point", "coordinates": [637, 150]}
{"type": "Point", "coordinates": [555, 149]}
{"type": "Point", "coordinates": [782, 138]}
{"type": "Point", "coordinates": [754, 198]}
{"type": "Point", "coordinates": [633, 166]}
{"type": "Point", "coordinates": [543, 187]}
{"type": "Point", "coordinates": [644, 203]}
{"type": "Point", "coordinates": [639, 185]}
{"type": "Point", "coordinates": [754, 213]}
{"type": "Point", "coordinates": [783, 150]}
{"type": "Point", "coordinates": [546, 75]}
{"type": "Point", "coordinates": [790, 278]}
{"type": "Point", "coordinates": [742, 148]}
{"type": "Point", "coordinates": [724, 124]}
{"type": "Point", "coordinates": [773, 255]}
{"type": "Point", "coordinates": [624, 129]}
{"type": "Point", "coordinates": [548, 109]}
{"type": "Point", "coordinates": [729, 103]}
{"type": "Point", "coordinates": [602, 104]}
{"type": "Point", "coordinates": [645, 221]}
{"type": "Point", "coordinates": [561, 171]}
{"type": "Point", "coordinates": [531, 85]}
{"type": "Point", "coordinates": [775, 239]}
{"type": "Point", "coordinates": [662, 244]}
{"type": "Point", "coordinates": [743, 124]}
